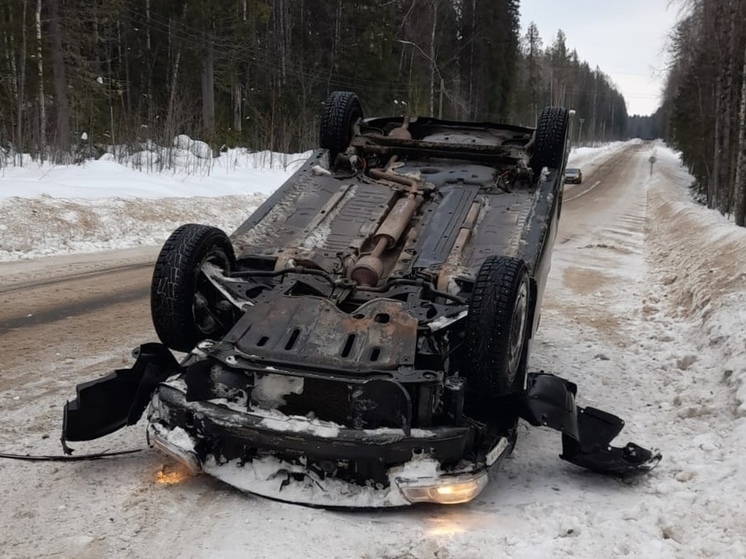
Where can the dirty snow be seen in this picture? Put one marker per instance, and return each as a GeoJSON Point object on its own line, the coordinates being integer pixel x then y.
{"type": "Point", "coordinates": [645, 310]}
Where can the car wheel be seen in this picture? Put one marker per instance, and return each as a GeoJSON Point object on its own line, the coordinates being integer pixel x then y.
{"type": "Point", "coordinates": [550, 139]}
{"type": "Point", "coordinates": [185, 306]}
{"type": "Point", "coordinates": [342, 110]}
{"type": "Point", "coordinates": [497, 330]}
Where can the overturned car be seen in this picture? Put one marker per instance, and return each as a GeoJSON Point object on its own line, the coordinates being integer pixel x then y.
{"type": "Point", "coordinates": [363, 338]}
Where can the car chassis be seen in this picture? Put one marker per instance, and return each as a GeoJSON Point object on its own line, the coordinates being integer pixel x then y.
{"type": "Point", "coordinates": [369, 344]}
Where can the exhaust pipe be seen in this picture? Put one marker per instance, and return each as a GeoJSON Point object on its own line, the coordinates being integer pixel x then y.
{"type": "Point", "coordinates": [369, 269]}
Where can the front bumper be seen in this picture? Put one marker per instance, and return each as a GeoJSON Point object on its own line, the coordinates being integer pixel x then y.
{"type": "Point", "coordinates": [297, 458]}
{"type": "Point", "coordinates": [305, 461]}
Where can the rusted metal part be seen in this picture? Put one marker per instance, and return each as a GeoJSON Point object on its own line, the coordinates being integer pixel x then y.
{"type": "Point", "coordinates": [292, 257]}
{"type": "Point", "coordinates": [311, 331]}
{"type": "Point", "coordinates": [387, 145]}
{"type": "Point", "coordinates": [402, 132]}
{"type": "Point", "coordinates": [397, 219]}
{"type": "Point", "coordinates": [454, 258]}
{"type": "Point", "coordinates": [393, 177]}
{"type": "Point", "coordinates": [369, 269]}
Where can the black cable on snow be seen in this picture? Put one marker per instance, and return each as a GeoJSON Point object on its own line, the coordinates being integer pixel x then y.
{"type": "Point", "coordinates": [80, 458]}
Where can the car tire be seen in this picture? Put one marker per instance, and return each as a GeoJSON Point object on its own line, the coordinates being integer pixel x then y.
{"type": "Point", "coordinates": [550, 139]}
{"type": "Point", "coordinates": [342, 109]}
{"type": "Point", "coordinates": [183, 303]}
{"type": "Point", "coordinates": [497, 330]}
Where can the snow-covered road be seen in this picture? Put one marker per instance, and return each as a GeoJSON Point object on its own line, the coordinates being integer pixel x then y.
{"type": "Point", "coordinates": [644, 310]}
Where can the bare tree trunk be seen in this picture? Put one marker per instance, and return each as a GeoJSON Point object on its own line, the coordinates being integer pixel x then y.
{"type": "Point", "coordinates": [21, 85]}
{"type": "Point", "coordinates": [433, 31]}
{"type": "Point", "coordinates": [717, 188]}
{"type": "Point", "coordinates": [40, 71]}
{"type": "Point", "coordinates": [335, 42]}
{"type": "Point", "coordinates": [9, 50]}
{"type": "Point", "coordinates": [60, 81]}
{"type": "Point", "coordinates": [739, 209]}
{"type": "Point", "coordinates": [237, 94]}
{"type": "Point", "coordinates": [170, 112]}
{"type": "Point", "coordinates": [728, 51]}
{"type": "Point", "coordinates": [736, 38]}
{"type": "Point", "coordinates": [149, 70]}
{"type": "Point", "coordinates": [170, 125]}
{"type": "Point", "coordinates": [208, 87]}
{"type": "Point", "coordinates": [472, 89]}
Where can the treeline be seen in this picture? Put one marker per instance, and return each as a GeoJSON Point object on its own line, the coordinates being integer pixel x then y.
{"type": "Point", "coordinates": [556, 76]}
{"type": "Point", "coordinates": [704, 109]}
{"type": "Point", "coordinates": [255, 72]}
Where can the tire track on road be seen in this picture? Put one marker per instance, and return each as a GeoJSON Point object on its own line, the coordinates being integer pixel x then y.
{"type": "Point", "coordinates": [73, 278]}
{"type": "Point", "coordinates": [64, 312]}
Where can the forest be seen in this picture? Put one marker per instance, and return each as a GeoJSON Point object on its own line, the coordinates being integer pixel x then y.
{"type": "Point", "coordinates": [704, 107]}
{"type": "Point", "coordinates": [80, 75]}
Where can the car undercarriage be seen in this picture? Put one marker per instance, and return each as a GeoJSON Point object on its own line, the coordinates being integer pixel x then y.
{"type": "Point", "coordinates": [367, 331]}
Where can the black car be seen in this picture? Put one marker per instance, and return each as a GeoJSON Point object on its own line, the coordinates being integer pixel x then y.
{"type": "Point", "coordinates": [573, 176]}
{"type": "Point", "coordinates": [363, 338]}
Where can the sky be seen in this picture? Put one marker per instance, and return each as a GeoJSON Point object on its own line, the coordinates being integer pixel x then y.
{"type": "Point", "coordinates": [625, 39]}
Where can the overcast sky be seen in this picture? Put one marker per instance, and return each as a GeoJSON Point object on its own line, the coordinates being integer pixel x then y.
{"type": "Point", "coordinates": [626, 39]}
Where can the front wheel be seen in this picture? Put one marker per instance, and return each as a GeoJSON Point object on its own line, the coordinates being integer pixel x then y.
{"type": "Point", "coordinates": [497, 329]}
{"type": "Point", "coordinates": [185, 305]}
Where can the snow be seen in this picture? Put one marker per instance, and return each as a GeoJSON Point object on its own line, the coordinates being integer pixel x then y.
{"type": "Point", "coordinates": [104, 205]}
{"type": "Point", "coordinates": [644, 309]}
{"type": "Point", "coordinates": [269, 390]}
{"type": "Point", "coordinates": [585, 158]}
{"type": "Point", "coordinates": [271, 477]}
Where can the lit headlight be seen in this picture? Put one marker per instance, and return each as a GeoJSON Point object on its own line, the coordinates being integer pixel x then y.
{"type": "Point", "coordinates": [445, 491]}
{"type": "Point", "coordinates": [159, 441]}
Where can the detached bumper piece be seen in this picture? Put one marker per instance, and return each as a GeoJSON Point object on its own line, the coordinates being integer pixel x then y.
{"type": "Point", "coordinates": [586, 432]}
{"type": "Point", "coordinates": [107, 404]}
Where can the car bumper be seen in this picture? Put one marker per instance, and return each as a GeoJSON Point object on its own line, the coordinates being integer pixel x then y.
{"type": "Point", "coordinates": [268, 454]}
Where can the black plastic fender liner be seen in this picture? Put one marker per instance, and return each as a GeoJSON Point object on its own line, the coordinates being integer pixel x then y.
{"type": "Point", "coordinates": [107, 404]}
{"type": "Point", "coordinates": [593, 452]}
{"type": "Point", "coordinates": [586, 432]}
{"type": "Point", "coordinates": [550, 402]}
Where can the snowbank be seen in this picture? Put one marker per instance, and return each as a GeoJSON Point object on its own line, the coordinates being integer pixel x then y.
{"type": "Point", "coordinates": [103, 205]}
{"type": "Point", "coordinates": [705, 282]}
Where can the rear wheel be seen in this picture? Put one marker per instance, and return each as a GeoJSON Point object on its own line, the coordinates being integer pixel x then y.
{"type": "Point", "coordinates": [185, 305]}
{"type": "Point", "coordinates": [342, 109]}
{"type": "Point", "coordinates": [550, 140]}
{"type": "Point", "coordinates": [497, 330]}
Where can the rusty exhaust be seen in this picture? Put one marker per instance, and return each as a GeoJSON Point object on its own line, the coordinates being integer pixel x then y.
{"type": "Point", "coordinates": [369, 269]}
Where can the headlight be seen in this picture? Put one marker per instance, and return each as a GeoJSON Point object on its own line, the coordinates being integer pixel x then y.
{"type": "Point", "coordinates": [445, 491]}
{"type": "Point", "coordinates": [159, 441]}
